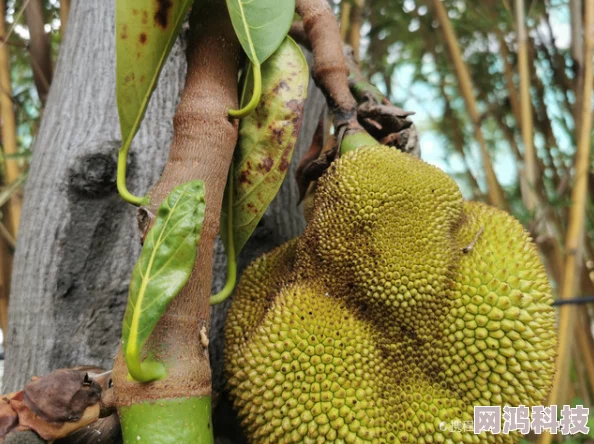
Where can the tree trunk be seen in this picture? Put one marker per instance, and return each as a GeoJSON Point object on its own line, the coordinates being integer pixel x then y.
{"type": "Point", "coordinates": [78, 240]}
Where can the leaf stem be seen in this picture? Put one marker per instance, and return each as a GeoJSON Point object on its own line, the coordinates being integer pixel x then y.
{"type": "Point", "coordinates": [146, 371]}
{"type": "Point", "coordinates": [121, 179]}
{"type": "Point", "coordinates": [222, 295]}
{"type": "Point", "coordinates": [256, 96]}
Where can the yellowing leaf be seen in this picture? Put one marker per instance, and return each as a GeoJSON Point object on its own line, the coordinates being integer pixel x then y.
{"type": "Point", "coordinates": [145, 33]}
{"type": "Point", "coordinates": [266, 142]}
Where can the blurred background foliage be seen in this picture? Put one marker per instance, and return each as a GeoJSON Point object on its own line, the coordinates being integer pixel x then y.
{"type": "Point", "coordinates": [30, 36]}
{"type": "Point", "coordinates": [500, 92]}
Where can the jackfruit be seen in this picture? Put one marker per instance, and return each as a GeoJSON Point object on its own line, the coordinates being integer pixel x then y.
{"type": "Point", "coordinates": [398, 310]}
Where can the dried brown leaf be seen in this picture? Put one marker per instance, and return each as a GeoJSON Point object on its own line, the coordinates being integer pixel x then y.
{"type": "Point", "coordinates": [63, 395]}
{"type": "Point", "coordinates": [8, 416]}
{"type": "Point", "coordinates": [50, 431]}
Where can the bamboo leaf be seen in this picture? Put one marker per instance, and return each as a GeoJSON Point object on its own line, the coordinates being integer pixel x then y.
{"type": "Point", "coordinates": [145, 33]}
{"type": "Point", "coordinates": [261, 25]}
{"type": "Point", "coordinates": [164, 267]}
{"type": "Point", "coordinates": [266, 142]}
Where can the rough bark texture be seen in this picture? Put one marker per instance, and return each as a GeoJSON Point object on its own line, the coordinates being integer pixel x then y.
{"type": "Point", "coordinates": [330, 68]}
{"type": "Point", "coordinates": [78, 241]}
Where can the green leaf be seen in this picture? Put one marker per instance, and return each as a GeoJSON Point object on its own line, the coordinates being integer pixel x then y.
{"type": "Point", "coordinates": [164, 267]}
{"type": "Point", "coordinates": [266, 142]}
{"type": "Point", "coordinates": [261, 25]}
{"type": "Point", "coordinates": [145, 33]}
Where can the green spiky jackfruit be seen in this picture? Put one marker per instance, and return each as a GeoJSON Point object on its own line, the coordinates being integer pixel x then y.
{"type": "Point", "coordinates": [397, 311]}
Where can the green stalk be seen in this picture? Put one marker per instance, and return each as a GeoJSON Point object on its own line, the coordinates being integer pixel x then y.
{"type": "Point", "coordinates": [230, 248]}
{"type": "Point", "coordinates": [256, 96]}
{"type": "Point", "coordinates": [168, 421]}
{"type": "Point", "coordinates": [121, 179]}
{"type": "Point", "coordinates": [354, 141]}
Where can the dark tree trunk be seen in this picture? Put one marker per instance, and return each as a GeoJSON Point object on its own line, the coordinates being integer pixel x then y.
{"type": "Point", "coordinates": [78, 240]}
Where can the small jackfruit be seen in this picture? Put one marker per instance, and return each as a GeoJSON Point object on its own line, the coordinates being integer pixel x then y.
{"type": "Point", "coordinates": [398, 310]}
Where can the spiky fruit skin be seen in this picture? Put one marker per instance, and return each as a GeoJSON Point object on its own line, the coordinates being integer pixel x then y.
{"type": "Point", "coordinates": [397, 311]}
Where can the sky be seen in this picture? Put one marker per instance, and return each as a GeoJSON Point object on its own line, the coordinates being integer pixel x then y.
{"type": "Point", "coordinates": [419, 98]}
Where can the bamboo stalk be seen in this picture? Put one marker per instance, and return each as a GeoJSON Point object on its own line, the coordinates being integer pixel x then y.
{"type": "Point", "coordinates": [64, 11]}
{"type": "Point", "coordinates": [577, 44]}
{"type": "Point", "coordinates": [581, 385]}
{"type": "Point", "coordinates": [586, 346]}
{"type": "Point", "coordinates": [575, 229]}
{"type": "Point", "coordinates": [5, 272]}
{"type": "Point", "coordinates": [494, 190]}
{"type": "Point", "coordinates": [12, 211]}
{"type": "Point", "coordinates": [508, 73]}
{"type": "Point", "coordinates": [577, 52]}
{"type": "Point", "coordinates": [458, 139]}
{"type": "Point", "coordinates": [9, 140]}
{"type": "Point", "coordinates": [345, 19]}
{"type": "Point", "coordinates": [529, 195]}
{"type": "Point", "coordinates": [39, 48]}
{"type": "Point", "coordinates": [355, 29]}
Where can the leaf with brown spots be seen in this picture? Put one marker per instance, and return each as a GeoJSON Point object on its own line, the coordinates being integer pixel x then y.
{"type": "Point", "coordinates": [145, 33]}
{"type": "Point", "coordinates": [266, 141]}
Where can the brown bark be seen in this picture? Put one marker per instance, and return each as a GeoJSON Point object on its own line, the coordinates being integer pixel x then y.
{"type": "Point", "coordinates": [330, 69]}
{"type": "Point", "coordinates": [39, 49]}
{"type": "Point", "coordinates": [202, 149]}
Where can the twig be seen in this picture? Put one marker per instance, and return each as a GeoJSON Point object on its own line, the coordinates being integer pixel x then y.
{"type": "Point", "coordinates": [7, 236]}
{"type": "Point", "coordinates": [330, 70]}
{"type": "Point", "coordinates": [17, 17]}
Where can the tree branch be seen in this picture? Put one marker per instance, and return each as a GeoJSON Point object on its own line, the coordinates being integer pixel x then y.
{"type": "Point", "coordinates": [202, 149]}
